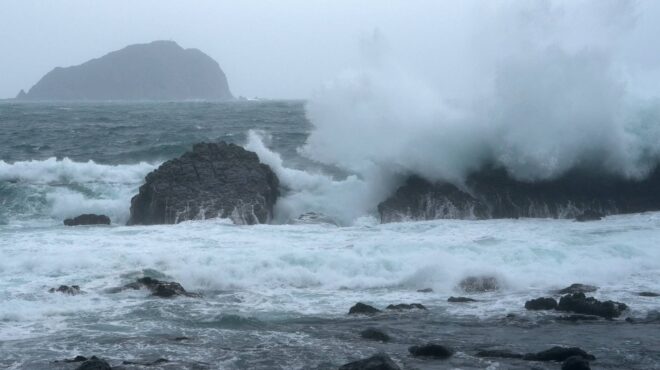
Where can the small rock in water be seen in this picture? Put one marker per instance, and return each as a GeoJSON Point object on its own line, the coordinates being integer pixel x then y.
{"type": "Point", "coordinates": [431, 350]}
{"type": "Point", "coordinates": [425, 290]}
{"type": "Point", "coordinates": [499, 353]}
{"type": "Point", "coordinates": [88, 219]}
{"type": "Point", "coordinates": [404, 306]}
{"type": "Point", "coordinates": [94, 363]}
{"type": "Point", "coordinates": [75, 359]}
{"type": "Point", "coordinates": [179, 339]}
{"type": "Point", "coordinates": [578, 288]}
{"type": "Point", "coordinates": [589, 215]}
{"type": "Point", "coordinates": [479, 284]}
{"type": "Point", "coordinates": [581, 304]}
{"type": "Point", "coordinates": [65, 289]}
{"type": "Point", "coordinates": [378, 361]}
{"type": "Point", "coordinates": [575, 318]}
{"type": "Point", "coordinates": [163, 289]}
{"type": "Point", "coordinates": [460, 300]}
{"type": "Point", "coordinates": [558, 354]}
{"type": "Point", "coordinates": [541, 304]}
{"type": "Point", "coordinates": [648, 294]}
{"type": "Point", "coordinates": [375, 334]}
{"type": "Point", "coordinates": [575, 363]}
{"type": "Point", "coordinates": [362, 309]}
{"type": "Point", "coordinates": [152, 363]}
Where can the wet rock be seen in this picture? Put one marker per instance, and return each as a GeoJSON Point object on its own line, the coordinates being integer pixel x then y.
{"type": "Point", "coordinates": [180, 339]}
{"type": "Point", "coordinates": [88, 219]}
{"type": "Point", "coordinates": [163, 289]}
{"type": "Point", "coordinates": [431, 350]}
{"type": "Point", "coordinates": [147, 363]}
{"type": "Point", "coordinates": [581, 304]}
{"type": "Point", "coordinates": [558, 354]}
{"type": "Point", "coordinates": [404, 306]}
{"type": "Point", "coordinates": [363, 309]}
{"type": "Point", "coordinates": [375, 334]}
{"type": "Point", "coordinates": [499, 353]}
{"type": "Point", "coordinates": [589, 215]}
{"type": "Point", "coordinates": [578, 288]}
{"type": "Point", "coordinates": [378, 361]}
{"type": "Point", "coordinates": [94, 363]}
{"type": "Point", "coordinates": [575, 363]}
{"type": "Point", "coordinates": [425, 290]}
{"type": "Point", "coordinates": [479, 284]}
{"type": "Point", "coordinates": [65, 289]}
{"type": "Point", "coordinates": [541, 304]}
{"type": "Point", "coordinates": [78, 358]}
{"type": "Point", "coordinates": [213, 180]}
{"type": "Point", "coordinates": [648, 294]}
{"type": "Point", "coordinates": [460, 300]}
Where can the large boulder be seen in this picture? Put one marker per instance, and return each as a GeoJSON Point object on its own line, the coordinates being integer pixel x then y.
{"type": "Point", "coordinates": [543, 303]}
{"type": "Point", "coordinates": [213, 180]}
{"type": "Point", "coordinates": [581, 304]}
{"type": "Point", "coordinates": [87, 219]}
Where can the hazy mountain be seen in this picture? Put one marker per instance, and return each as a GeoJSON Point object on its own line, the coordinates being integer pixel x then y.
{"type": "Point", "coordinates": [160, 70]}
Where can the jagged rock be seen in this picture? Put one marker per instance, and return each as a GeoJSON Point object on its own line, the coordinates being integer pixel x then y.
{"type": "Point", "coordinates": [589, 215]}
{"type": "Point", "coordinates": [431, 350]}
{"type": "Point", "coordinates": [163, 289]}
{"type": "Point", "coordinates": [87, 219]}
{"type": "Point", "coordinates": [580, 304]}
{"type": "Point", "coordinates": [578, 288]}
{"type": "Point", "coordinates": [425, 290]}
{"type": "Point", "coordinates": [541, 304]}
{"type": "Point", "coordinates": [375, 334]}
{"type": "Point", "coordinates": [479, 284]}
{"type": "Point", "coordinates": [575, 363]}
{"type": "Point", "coordinates": [94, 363]}
{"type": "Point", "coordinates": [65, 289]}
{"type": "Point", "coordinates": [558, 354]}
{"type": "Point", "coordinates": [160, 70]}
{"type": "Point", "coordinates": [362, 309]}
{"type": "Point", "coordinates": [378, 361]}
{"type": "Point", "coordinates": [499, 353]}
{"type": "Point", "coordinates": [648, 294]}
{"type": "Point", "coordinates": [460, 300]}
{"type": "Point", "coordinates": [213, 180]}
{"type": "Point", "coordinates": [404, 306]}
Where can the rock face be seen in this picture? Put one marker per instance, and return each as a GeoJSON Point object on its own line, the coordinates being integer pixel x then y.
{"type": "Point", "coordinates": [161, 70]}
{"type": "Point", "coordinates": [492, 193]}
{"type": "Point", "coordinates": [88, 219]}
{"type": "Point", "coordinates": [213, 180]}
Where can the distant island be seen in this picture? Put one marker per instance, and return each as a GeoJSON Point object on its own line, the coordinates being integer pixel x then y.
{"type": "Point", "coordinates": [160, 70]}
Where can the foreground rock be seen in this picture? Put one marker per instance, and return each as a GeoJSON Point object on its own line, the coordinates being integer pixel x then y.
{"type": "Point", "coordinates": [405, 306]}
{"type": "Point", "coordinates": [479, 284]}
{"type": "Point", "coordinates": [375, 334]}
{"type": "Point", "coordinates": [378, 361]}
{"type": "Point", "coordinates": [541, 304]}
{"type": "Point", "coordinates": [581, 304]}
{"type": "Point", "coordinates": [160, 70]}
{"type": "Point", "coordinates": [213, 180]}
{"type": "Point", "coordinates": [431, 350]}
{"type": "Point", "coordinates": [578, 288]}
{"type": "Point", "coordinates": [558, 354]}
{"type": "Point", "coordinates": [65, 289]}
{"type": "Point", "coordinates": [363, 309]}
{"type": "Point", "coordinates": [94, 363]}
{"type": "Point", "coordinates": [575, 363]}
{"type": "Point", "coordinates": [162, 289]}
{"type": "Point", "coordinates": [460, 300]}
{"type": "Point", "coordinates": [87, 219]}
{"type": "Point", "coordinates": [493, 193]}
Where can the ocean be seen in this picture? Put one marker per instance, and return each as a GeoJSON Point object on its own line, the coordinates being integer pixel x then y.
{"type": "Point", "coordinates": [277, 296]}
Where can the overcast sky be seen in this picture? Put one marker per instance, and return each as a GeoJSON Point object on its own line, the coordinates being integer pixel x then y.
{"type": "Point", "coordinates": [273, 49]}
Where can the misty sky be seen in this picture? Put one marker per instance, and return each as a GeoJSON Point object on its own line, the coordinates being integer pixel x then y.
{"type": "Point", "coordinates": [286, 48]}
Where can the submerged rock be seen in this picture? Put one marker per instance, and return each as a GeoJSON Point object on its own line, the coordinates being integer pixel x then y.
{"type": "Point", "coordinates": [576, 318]}
{"type": "Point", "coordinates": [213, 180]}
{"type": "Point", "coordinates": [147, 363]}
{"type": "Point", "coordinates": [378, 361]}
{"type": "Point", "coordinates": [404, 306]}
{"type": "Point", "coordinates": [163, 289]}
{"type": "Point", "coordinates": [375, 334]}
{"type": "Point", "coordinates": [94, 363]}
{"type": "Point", "coordinates": [648, 294]}
{"type": "Point", "coordinates": [460, 300]}
{"type": "Point", "coordinates": [87, 219]}
{"type": "Point", "coordinates": [425, 290]}
{"type": "Point", "coordinates": [541, 304]}
{"type": "Point", "coordinates": [363, 309]}
{"type": "Point", "coordinates": [558, 354]}
{"type": "Point", "coordinates": [581, 304]}
{"type": "Point", "coordinates": [479, 284]}
{"type": "Point", "coordinates": [578, 288]}
{"type": "Point", "coordinates": [499, 353]}
{"type": "Point", "coordinates": [65, 289]}
{"type": "Point", "coordinates": [575, 363]}
{"type": "Point", "coordinates": [431, 350]}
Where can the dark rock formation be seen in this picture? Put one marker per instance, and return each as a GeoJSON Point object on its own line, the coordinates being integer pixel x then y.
{"type": "Point", "coordinates": [425, 290]}
{"type": "Point", "coordinates": [161, 70]}
{"type": "Point", "coordinates": [375, 334]}
{"type": "Point", "coordinates": [558, 354]}
{"type": "Point", "coordinates": [499, 353]}
{"type": "Point", "coordinates": [578, 288]}
{"type": "Point", "coordinates": [648, 294]}
{"type": "Point", "coordinates": [492, 193]}
{"type": "Point", "coordinates": [575, 363]}
{"type": "Point", "coordinates": [589, 215]}
{"type": "Point", "coordinates": [162, 289]}
{"type": "Point", "coordinates": [362, 309]}
{"type": "Point", "coordinates": [479, 284]}
{"type": "Point", "coordinates": [88, 219]}
{"type": "Point", "coordinates": [460, 300]}
{"type": "Point", "coordinates": [94, 363]}
{"type": "Point", "coordinates": [65, 289]}
{"type": "Point", "coordinates": [581, 304]}
{"type": "Point", "coordinates": [431, 350]}
{"type": "Point", "coordinates": [404, 306]}
{"type": "Point", "coordinates": [213, 180]}
{"type": "Point", "coordinates": [378, 361]}
{"type": "Point", "coordinates": [541, 304]}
